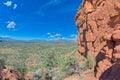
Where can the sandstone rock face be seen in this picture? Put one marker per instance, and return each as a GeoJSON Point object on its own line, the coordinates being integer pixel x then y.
{"type": "Point", "coordinates": [7, 74]}
{"type": "Point", "coordinates": [73, 77]}
{"type": "Point", "coordinates": [98, 23]}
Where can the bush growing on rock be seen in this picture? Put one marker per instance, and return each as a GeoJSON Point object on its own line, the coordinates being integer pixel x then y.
{"type": "Point", "coordinates": [90, 60]}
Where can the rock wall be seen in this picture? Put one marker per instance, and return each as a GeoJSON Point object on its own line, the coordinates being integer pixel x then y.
{"type": "Point", "coordinates": [98, 23]}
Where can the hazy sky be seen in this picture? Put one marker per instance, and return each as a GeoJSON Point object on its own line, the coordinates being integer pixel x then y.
{"type": "Point", "coordinates": [38, 19]}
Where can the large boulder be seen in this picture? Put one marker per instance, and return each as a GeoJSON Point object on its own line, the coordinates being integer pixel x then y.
{"type": "Point", "coordinates": [7, 74]}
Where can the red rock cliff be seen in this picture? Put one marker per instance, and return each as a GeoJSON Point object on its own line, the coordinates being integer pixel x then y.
{"type": "Point", "coordinates": [98, 23]}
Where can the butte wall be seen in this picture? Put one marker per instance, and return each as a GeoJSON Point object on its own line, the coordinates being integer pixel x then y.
{"type": "Point", "coordinates": [98, 23]}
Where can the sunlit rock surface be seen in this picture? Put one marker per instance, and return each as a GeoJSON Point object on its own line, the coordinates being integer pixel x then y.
{"type": "Point", "coordinates": [98, 23]}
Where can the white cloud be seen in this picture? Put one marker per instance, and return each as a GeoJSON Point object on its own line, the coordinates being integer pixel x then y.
{"type": "Point", "coordinates": [52, 3]}
{"type": "Point", "coordinates": [15, 6]}
{"type": "Point", "coordinates": [11, 25]}
{"type": "Point", "coordinates": [51, 36]}
{"type": "Point", "coordinates": [57, 35]}
{"type": "Point", "coordinates": [73, 35]}
{"type": "Point", "coordinates": [48, 33]}
{"type": "Point", "coordinates": [47, 5]}
{"type": "Point", "coordinates": [8, 3]}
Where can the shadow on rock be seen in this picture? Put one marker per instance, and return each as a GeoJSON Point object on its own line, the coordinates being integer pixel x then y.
{"type": "Point", "coordinates": [112, 73]}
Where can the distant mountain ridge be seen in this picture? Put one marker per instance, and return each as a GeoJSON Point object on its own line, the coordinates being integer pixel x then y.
{"type": "Point", "coordinates": [2, 39]}
{"type": "Point", "coordinates": [6, 39]}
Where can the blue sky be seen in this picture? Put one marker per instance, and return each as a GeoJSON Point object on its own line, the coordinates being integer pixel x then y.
{"type": "Point", "coordinates": [38, 19]}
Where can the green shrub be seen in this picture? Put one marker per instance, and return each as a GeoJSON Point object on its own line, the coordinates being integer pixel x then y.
{"type": "Point", "coordinates": [2, 64]}
{"type": "Point", "coordinates": [36, 77]}
{"type": "Point", "coordinates": [90, 60]}
{"type": "Point", "coordinates": [85, 63]}
{"type": "Point", "coordinates": [21, 68]}
{"type": "Point", "coordinates": [46, 59]}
